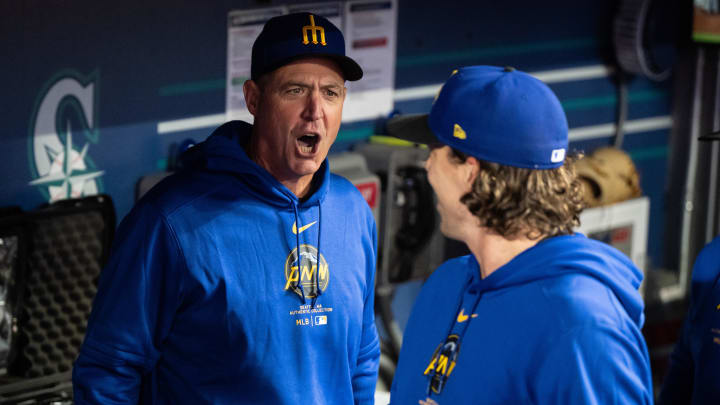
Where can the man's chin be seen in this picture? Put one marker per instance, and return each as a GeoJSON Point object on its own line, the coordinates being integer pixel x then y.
{"type": "Point", "coordinates": [307, 167]}
{"type": "Point", "coordinates": [448, 233]}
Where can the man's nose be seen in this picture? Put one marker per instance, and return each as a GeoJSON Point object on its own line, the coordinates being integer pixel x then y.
{"type": "Point", "coordinates": [313, 108]}
{"type": "Point", "coordinates": [427, 161]}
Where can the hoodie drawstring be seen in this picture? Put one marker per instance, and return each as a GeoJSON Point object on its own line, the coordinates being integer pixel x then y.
{"type": "Point", "coordinates": [318, 291]}
{"type": "Point", "coordinates": [460, 332]}
{"type": "Point", "coordinates": [298, 284]}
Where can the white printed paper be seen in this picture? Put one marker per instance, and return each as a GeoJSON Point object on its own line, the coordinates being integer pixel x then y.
{"type": "Point", "coordinates": [244, 26]}
{"type": "Point", "coordinates": [370, 38]}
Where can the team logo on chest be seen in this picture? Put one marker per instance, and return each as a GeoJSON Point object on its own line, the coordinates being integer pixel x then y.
{"type": "Point", "coordinates": [306, 270]}
{"type": "Point", "coordinates": [442, 363]}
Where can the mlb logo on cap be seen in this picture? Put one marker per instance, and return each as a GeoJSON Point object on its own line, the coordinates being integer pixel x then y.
{"type": "Point", "coordinates": [558, 155]}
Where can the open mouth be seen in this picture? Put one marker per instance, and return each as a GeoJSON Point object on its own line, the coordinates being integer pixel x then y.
{"type": "Point", "coordinates": [308, 143]}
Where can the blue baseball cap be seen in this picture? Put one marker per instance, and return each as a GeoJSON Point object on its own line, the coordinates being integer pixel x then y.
{"type": "Point", "coordinates": [288, 37]}
{"type": "Point", "coordinates": [494, 114]}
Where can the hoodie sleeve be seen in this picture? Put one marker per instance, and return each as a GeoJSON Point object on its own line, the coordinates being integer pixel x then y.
{"type": "Point", "coordinates": [132, 311]}
{"type": "Point", "coordinates": [593, 364]}
{"type": "Point", "coordinates": [366, 371]}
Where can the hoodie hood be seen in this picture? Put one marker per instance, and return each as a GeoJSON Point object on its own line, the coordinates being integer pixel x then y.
{"type": "Point", "coordinates": [223, 151]}
{"type": "Point", "coordinates": [561, 255]}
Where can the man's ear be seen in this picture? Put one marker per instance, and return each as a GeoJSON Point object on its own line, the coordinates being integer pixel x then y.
{"type": "Point", "coordinates": [471, 170]}
{"type": "Point", "coordinates": [251, 90]}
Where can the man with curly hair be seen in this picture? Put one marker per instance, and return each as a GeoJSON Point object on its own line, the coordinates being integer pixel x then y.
{"type": "Point", "coordinates": [536, 313]}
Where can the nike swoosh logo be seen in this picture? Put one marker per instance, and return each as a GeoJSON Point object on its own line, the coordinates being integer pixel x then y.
{"type": "Point", "coordinates": [462, 317]}
{"type": "Point", "coordinates": [302, 228]}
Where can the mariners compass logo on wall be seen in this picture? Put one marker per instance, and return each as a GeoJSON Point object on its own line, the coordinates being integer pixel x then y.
{"type": "Point", "coordinates": [63, 126]}
{"type": "Point", "coordinates": [307, 271]}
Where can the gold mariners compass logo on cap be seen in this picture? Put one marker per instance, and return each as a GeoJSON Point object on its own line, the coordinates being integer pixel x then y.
{"type": "Point", "coordinates": [313, 29]}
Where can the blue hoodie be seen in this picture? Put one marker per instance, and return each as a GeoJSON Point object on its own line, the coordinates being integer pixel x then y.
{"type": "Point", "coordinates": [204, 300]}
{"type": "Point", "coordinates": [695, 361]}
{"type": "Point", "coordinates": [558, 324]}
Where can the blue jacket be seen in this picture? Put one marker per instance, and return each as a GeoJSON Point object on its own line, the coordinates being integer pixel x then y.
{"type": "Point", "coordinates": [694, 374]}
{"type": "Point", "coordinates": [558, 324]}
{"type": "Point", "coordinates": [204, 299]}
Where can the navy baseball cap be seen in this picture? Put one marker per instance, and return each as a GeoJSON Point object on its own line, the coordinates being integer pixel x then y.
{"type": "Point", "coordinates": [289, 37]}
{"type": "Point", "coordinates": [494, 114]}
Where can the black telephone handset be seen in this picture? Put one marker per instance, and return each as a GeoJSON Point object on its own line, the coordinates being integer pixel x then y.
{"type": "Point", "coordinates": [415, 196]}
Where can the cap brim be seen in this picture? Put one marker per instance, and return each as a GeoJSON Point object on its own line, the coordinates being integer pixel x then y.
{"type": "Point", "coordinates": [411, 127]}
{"type": "Point", "coordinates": [350, 68]}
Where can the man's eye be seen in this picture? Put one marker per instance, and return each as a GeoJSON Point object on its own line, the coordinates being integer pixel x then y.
{"type": "Point", "coordinates": [295, 90]}
{"type": "Point", "coordinates": [331, 93]}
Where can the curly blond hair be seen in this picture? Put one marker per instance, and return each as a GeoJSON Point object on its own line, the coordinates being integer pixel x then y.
{"type": "Point", "coordinates": [513, 201]}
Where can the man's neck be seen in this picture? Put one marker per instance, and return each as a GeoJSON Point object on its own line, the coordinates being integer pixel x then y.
{"type": "Point", "coordinates": [301, 187]}
{"type": "Point", "coordinates": [493, 251]}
